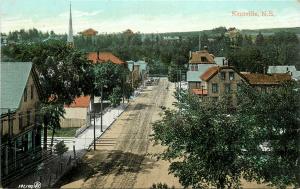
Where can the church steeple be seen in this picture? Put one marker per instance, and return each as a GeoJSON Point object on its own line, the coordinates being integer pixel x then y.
{"type": "Point", "coordinates": [70, 39]}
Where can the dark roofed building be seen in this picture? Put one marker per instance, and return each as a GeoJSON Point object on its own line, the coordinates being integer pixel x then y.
{"type": "Point", "coordinates": [20, 131]}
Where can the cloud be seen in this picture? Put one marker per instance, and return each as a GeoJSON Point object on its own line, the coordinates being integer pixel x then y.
{"type": "Point", "coordinates": [79, 14]}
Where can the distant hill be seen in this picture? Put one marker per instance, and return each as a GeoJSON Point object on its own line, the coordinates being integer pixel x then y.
{"type": "Point", "coordinates": [266, 31]}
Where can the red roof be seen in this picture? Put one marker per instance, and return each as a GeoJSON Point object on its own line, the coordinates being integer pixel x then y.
{"type": "Point", "coordinates": [80, 102]}
{"type": "Point", "coordinates": [89, 32]}
{"type": "Point", "coordinates": [266, 79]}
{"type": "Point", "coordinates": [209, 73]}
{"type": "Point", "coordinates": [102, 57]}
{"type": "Point", "coordinates": [199, 91]}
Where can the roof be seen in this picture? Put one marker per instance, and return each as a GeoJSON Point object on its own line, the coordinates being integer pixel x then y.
{"type": "Point", "coordinates": [89, 32]}
{"type": "Point", "coordinates": [285, 69]}
{"type": "Point", "coordinates": [212, 71]}
{"type": "Point", "coordinates": [195, 75]}
{"type": "Point", "coordinates": [196, 57]}
{"type": "Point", "coordinates": [209, 73]}
{"type": "Point", "coordinates": [266, 79]}
{"type": "Point", "coordinates": [199, 91]}
{"type": "Point", "coordinates": [80, 102]}
{"type": "Point", "coordinates": [104, 57]}
{"type": "Point", "coordinates": [13, 79]}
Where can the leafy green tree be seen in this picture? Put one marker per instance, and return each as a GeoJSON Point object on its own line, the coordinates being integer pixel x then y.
{"type": "Point", "coordinates": [274, 119]}
{"type": "Point", "coordinates": [51, 115]}
{"type": "Point", "coordinates": [204, 143]}
{"type": "Point", "coordinates": [64, 74]}
{"type": "Point", "coordinates": [115, 97]}
{"type": "Point", "coordinates": [60, 148]}
{"type": "Point", "coordinates": [259, 39]}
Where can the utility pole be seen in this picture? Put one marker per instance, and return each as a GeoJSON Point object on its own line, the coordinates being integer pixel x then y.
{"type": "Point", "coordinates": [101, 116]}
{"type": "Point", "coordinates": [180, 79]}
{"type": "Point", "coordinates": [1, 154]}
{"type": "Point", "coordinates": [94, 129]}
{"type": "Point", "coordinates": [132, 75]}
{"type": "Point", "coordinates": [199, 41]}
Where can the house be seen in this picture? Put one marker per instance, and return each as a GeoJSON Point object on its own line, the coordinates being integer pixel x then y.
{"type": "Point", "coordinates": [265, 82]}
{"type": "Point", "coordinates": [220, 81]}
{"type": "Point", "coordinates": [285, 69]}
{"type": "Point", "coordinates": [140, 69]}
{"type": "Point", "coordinates": [101, 57]}
{"type": "Point", "coordinates": [225, 80]}
{"type": "Point", "coordinates": [76, 113]}
{"type": "Point", "coordinates": [199, 62]}
{"type": "Point", "coordinates": [89, 32]}
{"type": "Point", "coordinates": [20, 130]}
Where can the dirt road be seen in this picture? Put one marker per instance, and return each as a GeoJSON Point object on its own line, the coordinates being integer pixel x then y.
{"type": "Point", "coordinates": [123, 158]}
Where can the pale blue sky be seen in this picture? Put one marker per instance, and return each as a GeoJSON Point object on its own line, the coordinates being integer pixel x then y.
{"type": "Point", "coordinates": [145, 16]}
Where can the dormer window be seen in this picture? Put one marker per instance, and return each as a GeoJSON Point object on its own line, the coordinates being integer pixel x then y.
{"type": "Point", "coordinates": [203, 59]}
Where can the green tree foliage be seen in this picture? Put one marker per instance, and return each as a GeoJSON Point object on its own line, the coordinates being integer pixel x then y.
{"type": "Point", "coordinates": [64, 72]}
{"type": "Point", "coordinates": [51, 114]}
{"type": "Point", "coordinates": [274, 118]}
{"type": "Point", "coordinates": [115, 96]}
{"type": "Point", "coordinates": [208, 143]}
{"type": "Point", "coordinates": [60, 148]}
{"type": "Point", "coordinates": [204, 143]}
{"type": "Point", "coordinates": [109, 76]}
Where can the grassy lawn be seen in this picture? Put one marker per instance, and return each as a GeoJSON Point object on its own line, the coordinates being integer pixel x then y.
{"type": "Point", "coordinates": [63, 132]}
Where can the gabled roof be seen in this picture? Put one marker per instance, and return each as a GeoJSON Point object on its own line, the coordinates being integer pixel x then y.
{"type": "Point", "coordinates": [266, 79]}
{"type": "Point", "coordinates": [102, 57]}
{"type": "Point", "coordinates": [80, 102]}
{"type": "Point", "coordinates": [212, 71]}
{"type": "Point", "coordinates": [196, 57]}
{"type": "Point", "coordinates": [209, 73]}
{"type": "Point", "coordinates": [13, 79]}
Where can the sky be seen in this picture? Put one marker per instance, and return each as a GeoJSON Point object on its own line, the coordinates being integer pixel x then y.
{"type": "Point", "coordinates": [147, 16]}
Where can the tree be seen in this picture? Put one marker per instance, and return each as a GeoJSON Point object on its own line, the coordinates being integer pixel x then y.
{"type": "Point", "coordinates": [259, 39]}
{"type": "Point", "coordinates": [115, 97]}
{"type": "Point", "coordinates": [64, 74]}
{"type": "Point", "coordinates": [60, 148]}
{"type": "Point", "coordinates": [274, 119]}
{"type": "Point", "coordinates": [204, 142]}
{"type": "Point", "coordinates": [51, 115]}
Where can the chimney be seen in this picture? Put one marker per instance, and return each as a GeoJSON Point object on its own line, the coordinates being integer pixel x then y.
{"type": "Point", "coordinates": [205, 48]}
{"type": "Point", "coordinates": [190, 54]}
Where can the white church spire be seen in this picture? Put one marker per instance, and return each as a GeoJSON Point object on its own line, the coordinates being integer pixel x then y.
{"type": "Point", "coordinates": [70, 39]}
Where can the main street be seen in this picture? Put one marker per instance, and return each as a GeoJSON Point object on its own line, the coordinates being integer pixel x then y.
{"type": "Point", "coordinates": [124, 156]}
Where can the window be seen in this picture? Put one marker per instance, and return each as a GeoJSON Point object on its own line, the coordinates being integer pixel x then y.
{"type": "Point", "coordinates": [203, 59]}
{"type": "Point", "coordinates": [222, 75]}
{"type": "Point", "coordinates": [231, 76]}
{"type": "Point", "coordinates": [196, 67]}
{"type": "Point", "coordinates": [31, 91]}
{"type": "Point", "coordinates": [28, 118]}
{"type": "Point", "coordinates": [25, 94]}
{"type": "Point", "coordinates": [215, 88]}
{"type": "Point", "coordinates": [20, 121]}
{"type": "Point", "coordinates": [227, 88]}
